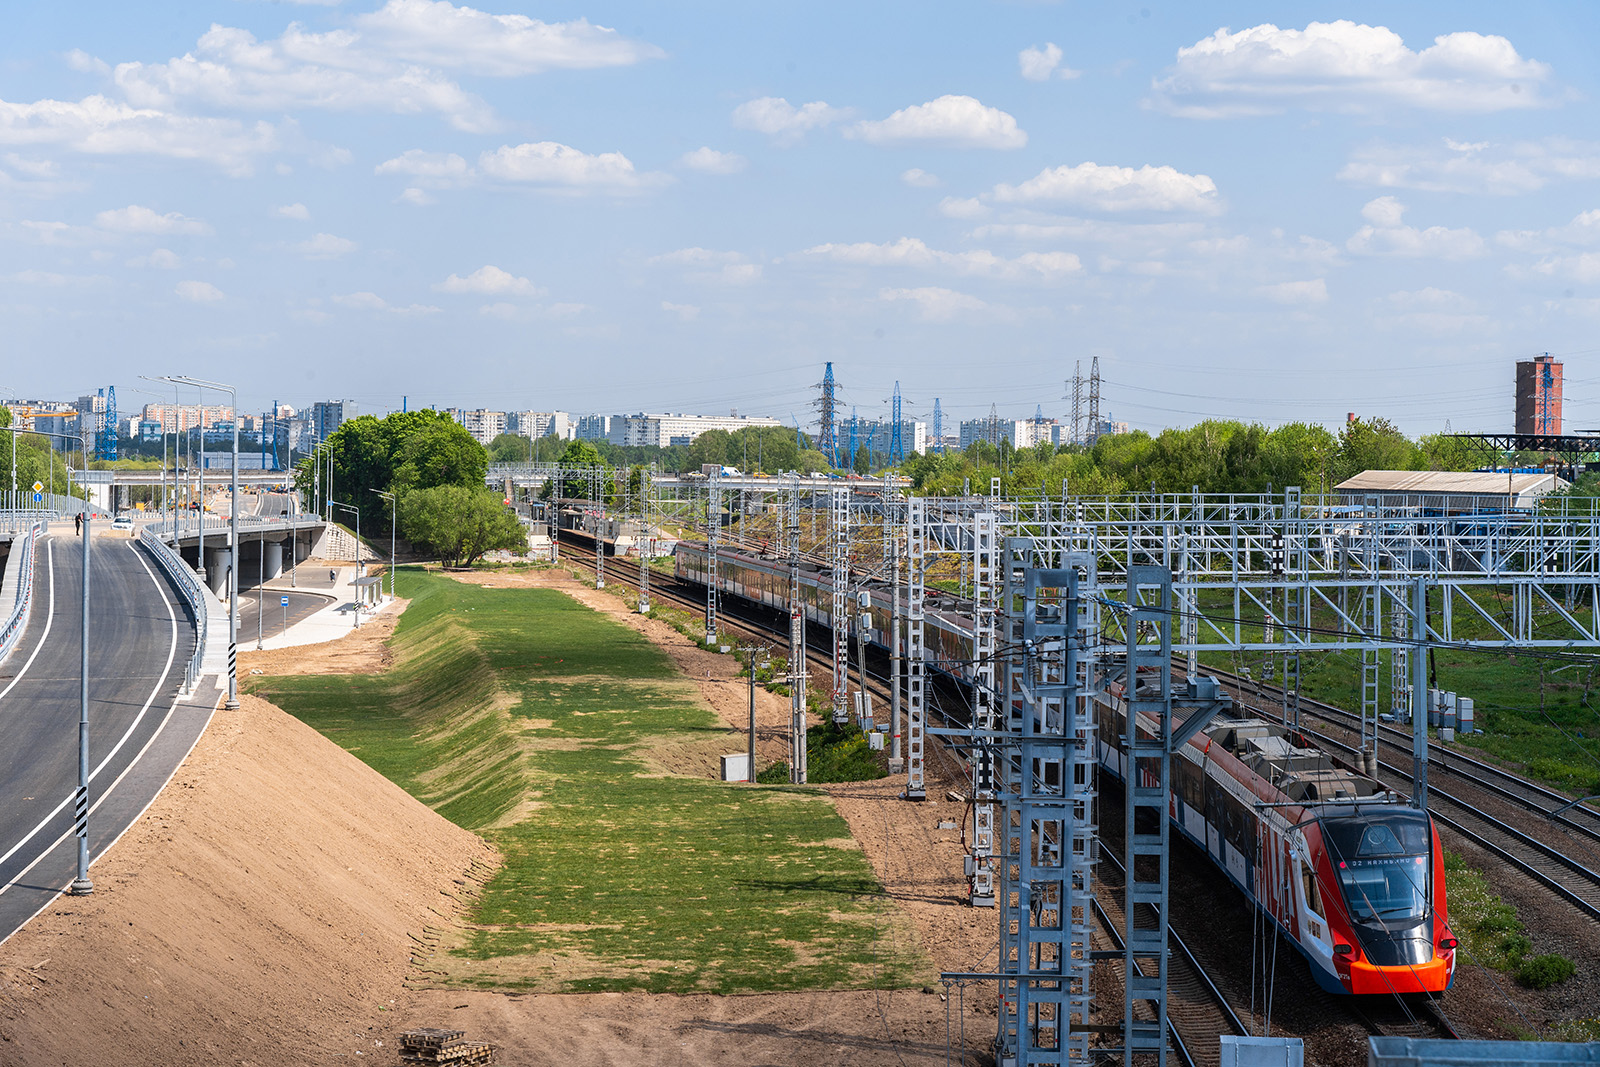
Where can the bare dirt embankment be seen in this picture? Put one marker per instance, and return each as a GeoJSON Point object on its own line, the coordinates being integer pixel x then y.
{"type": "Point", "coordinates": [262, 912]}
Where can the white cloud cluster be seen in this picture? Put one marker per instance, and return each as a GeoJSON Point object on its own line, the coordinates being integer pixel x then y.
{"type": "Point", "coordinates": [325, 246]}
{"type": "Point", "coordinates": [1582, 232]}
{"type": "Point", "coordinates": [935, 303]}
{"type": "Point", "coordinates": [710, 161]}
{"type": "Point", "coordinates": [1386, 234]}
{"type": "Point", "coordinates": [711, 265]}
{"type": "Point", "coordinates": [918, 178]}
{"type": "Point", "coordinates": [913, 253]}
{"type": "Point", "coordinates": [491, 280]}
{"type": "Point", "coordinates": [781, 120]}
{"type": "Point", "coordinates": [957, 121]}
{"type": "Point", "coordinates": [135, 219]}
{"type": "Point", "coordinates": [1346, 66]}
{"type": "Point", "coordinates": [1042, 64]}
{"type": "Point", "coordinates": [1476, 167]}
{"type": "Point", "coordinates": [549, 164]}
{"type": "Point", "coordinates": [298, 212]}
{"type": "Point", "coordinates": [1313, 291]}
{"type": "Point", "coordinates": [98, 125]}
{"type": "Point", "coordinates": [444, 35]}
{"type": "Point", "coordinates": [1112, 188]}
{"type": "Point", "coordinates": [198, 292]}
{"type": "Point", "coordinates": [367, 301]}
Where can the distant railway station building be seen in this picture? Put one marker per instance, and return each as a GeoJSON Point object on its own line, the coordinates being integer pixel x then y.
{"type": "Point", "coordinates": [1450, 492]}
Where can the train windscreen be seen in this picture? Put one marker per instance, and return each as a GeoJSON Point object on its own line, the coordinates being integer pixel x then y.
{"type": "Point", "coordinates": [1382, 862]}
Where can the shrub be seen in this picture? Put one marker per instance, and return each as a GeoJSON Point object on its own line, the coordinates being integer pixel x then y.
{"type": "Point", "coordinates": [1542, 972]}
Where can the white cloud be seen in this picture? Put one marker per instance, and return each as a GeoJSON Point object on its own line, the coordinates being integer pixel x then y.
{"type": "Point", "coordinates": [919, 178]}
{"type": "Point", "coordinates": [1582, 232]}
{"type": "Point", "coordinates": [137, 219]}
{"type": "Point", "coordinates": [365, 301]}
{"type": "Point", "coordinates": [709, 265]}
{"type": "Point", "coordinates": [293, 211]}
{"type": "Point", "coordinates": [1478, 167]}
{"type": "Point", "coordinates": [1387, 235]}
{"type": "Point", "coordinates": [710, 161]}
{"type": "Point", "coordinates": [685, 312]}
{"type": "Point", "coordinates": [776, 117]}
{"type": "Point", "coordinates": [934, 303]}
{"type": "Point", "coordinates": [1583, 267]}
{"type": "Point", "coordinates": [198, 292]}
{"type": "Point", "coordinates": [37, 169]}
{"type": "Point", "coordinates": [489, 279]}
{"type": "Point", "coordinates": [50, 278]}
{"type": "Point", "coordinates": [550, 163]}
{"type": "Point", "coordinates": [84, 63]}
{"type": "Point", "coordinates": [230, 69]}
{"type": "Point", "coordinates": [1429, 299]}
{"type": "Point", "coordinates": [325, 246]}
{"type": "Point", "coordinates": [1042, 64]}
{"type": "Point", "coordinates": [958, 121]}
{"type": "Point", "coordinates": [441, 34]}
{"type": "Point", "coordinates": [415, 197]}
{"type": "Point", "coordinates": [1346, 66]}
{"type": "Point", "coordinates": [1112, 188]}
{"type": "Point", "coordinates": [97, 125]}
{"type": "Point", "coordinates": [160, 259]}
{"type": "Point", "coordinates": [440, 168]}
{"type": "Point", "coordinates": [963, 208]}
{"type": "Point", "coordinates": [1314, 291]}
{"type": "Point", "coordinates": [913, 253]}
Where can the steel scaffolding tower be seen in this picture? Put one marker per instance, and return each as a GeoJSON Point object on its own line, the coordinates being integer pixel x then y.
{"type": "Point", "coordinates": [897, 450]}
{"type": "Point", "coordinates": [647, 543]}
{"type": "Point", "coordinates": [797, 642]}
{"type": "Point", "coordinates": [828, 418]}
{"type": "Point", "coordinates": [985, 710]}
{"type": "Point", "coordinates": [916, 655]}
{"type": "Point", "coordinates": [839, 533]}
{"type": "Point", "coordinates": [713, 537]}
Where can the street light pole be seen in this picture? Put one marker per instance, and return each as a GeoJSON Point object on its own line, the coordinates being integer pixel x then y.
{"type": "Point", "coordinates": [81, 885]}
{"type": "Point", "coordinates": [233, 536]}
{"type": "Point", "coordinates": [357, 599]}
{"type": "Point", "coordinates": [750, 667]}
{"type": "Point", "coordinates": [394, 517]}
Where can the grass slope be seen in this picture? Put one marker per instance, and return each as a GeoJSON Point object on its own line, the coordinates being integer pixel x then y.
{"type": "Point", "coordinates": [527, 717]}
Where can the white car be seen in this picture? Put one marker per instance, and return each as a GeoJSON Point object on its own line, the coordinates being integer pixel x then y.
{"type": "Point", "coordinates": [122, 522]}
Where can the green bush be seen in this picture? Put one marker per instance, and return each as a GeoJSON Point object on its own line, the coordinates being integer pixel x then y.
{"type": "Point", "coordinates": [1542, 972]}
{"type": "Point", "coordinates": [1515, 946]}
{"type": "Point", "coordinates": [834, 753]}
{"type": "Point", "coordinates": [776, 774]}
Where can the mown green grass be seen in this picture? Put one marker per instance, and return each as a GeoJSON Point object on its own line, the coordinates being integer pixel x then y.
{"type": "Point", "coordinates": [617, 876]}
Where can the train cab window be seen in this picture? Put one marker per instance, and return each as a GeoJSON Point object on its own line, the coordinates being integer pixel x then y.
{"type": "Point", "coordinates": [1308, 880]}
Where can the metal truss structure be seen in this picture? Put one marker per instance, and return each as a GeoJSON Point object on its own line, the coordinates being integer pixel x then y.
{"type": "Point", "coordinates": [985, 707]}
{"type": "Point", "coordinates": [797, 640]}
{"type": "Point", "coordinates": [916, 649]}
{"type": "Point", "coordinates": [839, 535]}
{"type": "Point", "coordinates": [713, 537]}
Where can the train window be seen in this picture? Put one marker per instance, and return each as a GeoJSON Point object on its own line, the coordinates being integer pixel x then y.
{"type": "Point", "coordinates": [1308, 880]}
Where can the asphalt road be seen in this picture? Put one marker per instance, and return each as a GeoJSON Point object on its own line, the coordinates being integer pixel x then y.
{"type": "Point", "coordinates": [301, 606]}
{"type": "Point", "coordinates": [140, 640]}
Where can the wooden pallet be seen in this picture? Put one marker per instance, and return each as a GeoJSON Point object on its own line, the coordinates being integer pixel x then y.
{"type": "Point", "coordinates": [431, 1045]}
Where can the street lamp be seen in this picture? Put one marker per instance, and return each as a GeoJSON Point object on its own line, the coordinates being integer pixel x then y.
{"type": "Point", "coordinates": [336, 504]}
{"type": "Point", "coordinates": [233, 531]}
{"type": "Point", "coordinates": [394, 517]}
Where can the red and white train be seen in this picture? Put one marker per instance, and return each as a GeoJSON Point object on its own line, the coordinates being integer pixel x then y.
{"type": "Point", "coordinates": [1351, 873]}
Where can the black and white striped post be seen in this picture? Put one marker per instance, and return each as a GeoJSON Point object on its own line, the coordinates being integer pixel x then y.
{"type": "Point", "coordinates": [80, 813]}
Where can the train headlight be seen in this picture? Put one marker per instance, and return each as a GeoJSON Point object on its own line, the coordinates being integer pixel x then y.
{"type": "Point", "coordinates": [1448, 943]}
{"type": "Point", "coordinates": [1343, 950]}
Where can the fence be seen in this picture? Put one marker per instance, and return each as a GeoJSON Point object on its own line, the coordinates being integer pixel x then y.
{"type": "Point", "coordinates": [188, 584]}
{"type": "Point", "coordinates": [18, 620]}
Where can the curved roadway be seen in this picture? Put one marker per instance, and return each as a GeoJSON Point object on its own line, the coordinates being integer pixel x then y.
{"type": "Point", "coordinates": [140, 640]}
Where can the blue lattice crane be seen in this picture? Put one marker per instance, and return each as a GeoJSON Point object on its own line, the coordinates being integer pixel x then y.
{"type": "Point", "coordinates": [105, 445]}
{"type": "Point", "coordinates": [897, 450]}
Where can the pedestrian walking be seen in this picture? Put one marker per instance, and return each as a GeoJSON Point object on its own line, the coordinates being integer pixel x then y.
{"type": "Point", "coordinates": [77, 524]}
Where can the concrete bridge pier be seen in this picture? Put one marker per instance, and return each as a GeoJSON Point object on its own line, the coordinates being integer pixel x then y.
{"type": "Point", "coordinates": [274, 559]}
{"type": "Point", "coordinates": [218, 560]}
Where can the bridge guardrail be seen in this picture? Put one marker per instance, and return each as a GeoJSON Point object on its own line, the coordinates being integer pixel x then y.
{"type": "Point", "coordinates": [188, 584]}
{"type": "Point", "coordinates": [18, 619]}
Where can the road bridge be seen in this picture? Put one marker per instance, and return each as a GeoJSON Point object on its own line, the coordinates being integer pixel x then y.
{"type": "Point", "coordinates": [142, 635]}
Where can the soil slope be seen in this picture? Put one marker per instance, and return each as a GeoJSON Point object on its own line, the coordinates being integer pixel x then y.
{"type": "Point", "coordinates": [263, 911]}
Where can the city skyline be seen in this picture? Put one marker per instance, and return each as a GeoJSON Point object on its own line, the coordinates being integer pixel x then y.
{"type": "Point", "coordinates": [605, 208]}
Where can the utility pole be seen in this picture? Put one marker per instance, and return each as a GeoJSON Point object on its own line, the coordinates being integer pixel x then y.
{"type": "Point", "coordinates": [81, 885]}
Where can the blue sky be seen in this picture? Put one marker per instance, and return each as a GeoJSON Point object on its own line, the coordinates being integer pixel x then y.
{"type": "Point", "coordinates": [1259, 211]}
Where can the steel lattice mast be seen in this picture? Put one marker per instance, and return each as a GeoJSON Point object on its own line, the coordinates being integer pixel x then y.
{"type": "Point", "coordinates": [839, 532]}
{"type": "Point", "coordinates": [828, 418]}
{"type": "Point", "coordinates": [797, 643]}
{"type": "Point", "coordinates": [897, 451]}
{"type": "Point", "coordinates": [938, 427]}
{"type": "Point", "coordinates": [713, 536]}
{"type": "Point", "coordinates": [916, 662]}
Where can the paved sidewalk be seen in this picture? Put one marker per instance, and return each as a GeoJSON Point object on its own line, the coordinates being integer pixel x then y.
{"type": "Point", "coordinates": [333, 621]}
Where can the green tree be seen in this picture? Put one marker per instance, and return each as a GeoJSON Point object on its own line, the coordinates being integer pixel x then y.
{"type": "Point", "coordinates": [405, 449]}
{"type": "Point", "coordinates": [511, 448]}
{"type": "Point", "coordinates": [1375, 445]}
{"type": "Point", "coordinates": [460, 523]}
{"type": "Point", "coordinates": [442, 453]}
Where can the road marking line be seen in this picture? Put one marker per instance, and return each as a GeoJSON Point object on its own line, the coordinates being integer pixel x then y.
{"type": "Point", "coordinates": [49, 617]}
{"type": "Point", "coordinates": [171, 652]}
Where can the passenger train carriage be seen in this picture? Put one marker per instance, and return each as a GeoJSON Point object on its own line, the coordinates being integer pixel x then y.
{"type": "Point", "coordinates": [1351, 873]}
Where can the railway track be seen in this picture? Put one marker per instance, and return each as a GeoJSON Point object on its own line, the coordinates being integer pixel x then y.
{"type": "Point", "coordinates": [1482, 803]}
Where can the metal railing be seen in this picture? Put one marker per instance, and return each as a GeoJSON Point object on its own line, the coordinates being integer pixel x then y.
{"type": "Point", "coordinates": [19, 612]}
{"type": "Point", "coordinates": [188, 583]}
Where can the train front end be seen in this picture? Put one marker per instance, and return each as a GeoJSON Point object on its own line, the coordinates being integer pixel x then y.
{"type": "Point", "coordinates": [1387, 868]}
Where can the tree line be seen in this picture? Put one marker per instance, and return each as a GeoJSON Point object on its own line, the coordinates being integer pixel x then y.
{"type": "Point", "coordinates": [435, 471]}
